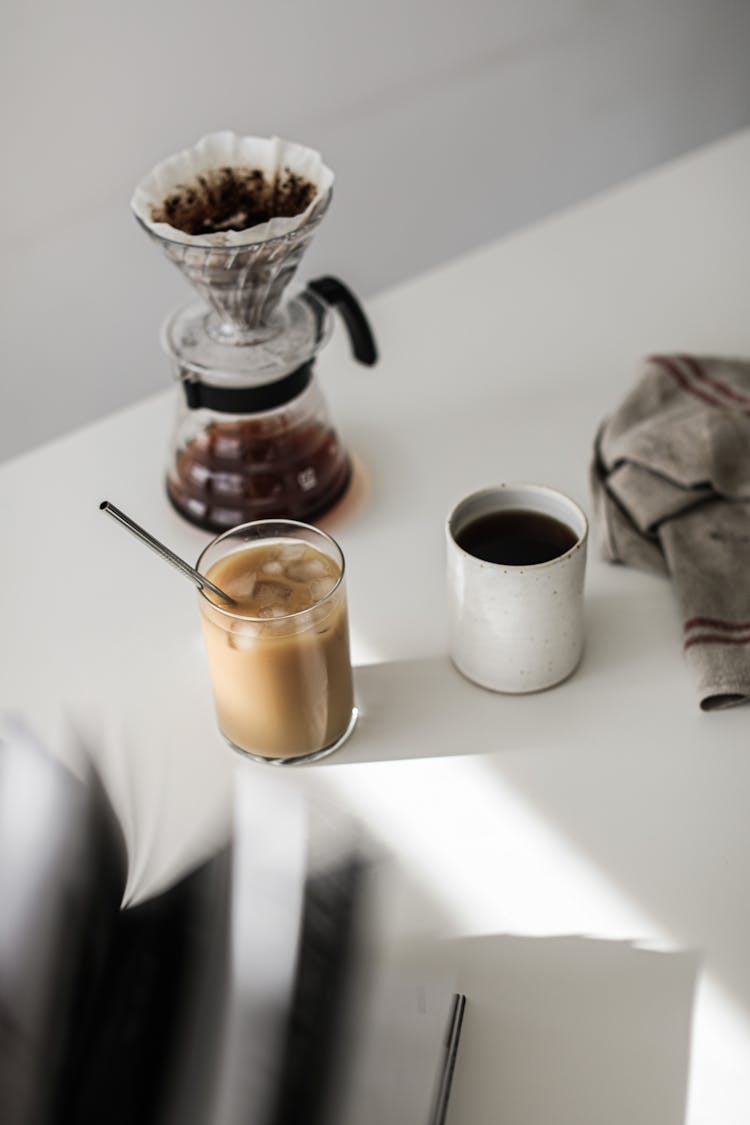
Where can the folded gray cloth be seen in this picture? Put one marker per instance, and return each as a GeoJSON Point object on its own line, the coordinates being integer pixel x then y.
{"type": "Point", "coordinates": [671, 489]}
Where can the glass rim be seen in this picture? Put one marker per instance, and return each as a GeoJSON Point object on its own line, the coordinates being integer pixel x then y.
{"type": "Point", "coordinates": [298, 524]}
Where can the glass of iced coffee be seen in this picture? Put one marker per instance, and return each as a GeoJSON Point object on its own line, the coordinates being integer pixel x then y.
{"type": "Point", "coordinates": [279, 659]}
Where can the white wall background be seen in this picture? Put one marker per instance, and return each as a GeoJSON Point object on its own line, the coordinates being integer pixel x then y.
{"type": "Point", "coordinates": [447, 124]}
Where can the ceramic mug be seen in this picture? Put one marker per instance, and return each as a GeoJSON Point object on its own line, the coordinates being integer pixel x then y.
{"type": "Point", "coordinates": [516, 626]}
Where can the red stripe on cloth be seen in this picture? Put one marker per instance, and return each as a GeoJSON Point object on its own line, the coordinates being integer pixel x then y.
{"type": "Point", "coordinates": [672, 369]}
{"type": "Point", "coordinates": [716, 384]}
{"type": "Point", "coordinates": [715, 639]}
{"type": "Point", "coordinates": [717, 623]}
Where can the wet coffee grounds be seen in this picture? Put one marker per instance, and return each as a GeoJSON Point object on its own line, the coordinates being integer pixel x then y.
{"type": "Point", "coordinates": [224, 199]}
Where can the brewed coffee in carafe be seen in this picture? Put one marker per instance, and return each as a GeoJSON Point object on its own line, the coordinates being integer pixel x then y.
{"type": "Point", "coordinates": [253, 439]}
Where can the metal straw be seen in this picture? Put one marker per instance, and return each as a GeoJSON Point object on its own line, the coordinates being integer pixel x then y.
{"type": "Point", "coordinates": [190, 572]}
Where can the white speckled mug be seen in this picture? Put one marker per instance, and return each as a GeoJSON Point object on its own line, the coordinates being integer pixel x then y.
{"type": "Point", "coordinates": [516, 627]}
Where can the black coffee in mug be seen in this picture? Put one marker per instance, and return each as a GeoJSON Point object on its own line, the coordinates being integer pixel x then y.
{"type": "Point", "coordinates": [516, 537]}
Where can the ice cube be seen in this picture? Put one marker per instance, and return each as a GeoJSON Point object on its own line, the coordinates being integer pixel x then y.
{"type": "Point", "coordinates": [273, 566]}
{"type": "Point", "coordinates": [307, 569]}
{"type": "Point", "coordinates": [273, 611]}
{"type": "Point", "coordinates": [242, 585]}
{"type": "Point", "coordinates": [243, 635]}
{"type": "Point", "coordinates": [268, 592]}
{"type": "Point", "coordinates": [321, 618]}
{"type": "Point", "coordinates": [321, 587]}
{"type": "Point", "coordinates": [288, 552]}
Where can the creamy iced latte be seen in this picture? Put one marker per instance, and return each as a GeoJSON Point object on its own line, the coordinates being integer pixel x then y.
{"type": "Point", "coordinates": [279, 660]}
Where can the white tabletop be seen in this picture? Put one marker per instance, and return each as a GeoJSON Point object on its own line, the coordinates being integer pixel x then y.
{"type": "Point", "coordinates": [608, 808]}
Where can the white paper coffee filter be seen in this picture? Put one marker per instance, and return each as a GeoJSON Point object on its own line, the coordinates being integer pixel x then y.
{"type": "Point", "coordinates": [275, 157]}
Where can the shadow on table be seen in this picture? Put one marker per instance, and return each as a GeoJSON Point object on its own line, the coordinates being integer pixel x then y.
{"type": "Point", "coordinates": [404, 707]}
{"type": "Point", "coordinates": [571, 1030]}
{"type": "Point", "coordinates": [631, 628]}
{"type": "Point", "coordinates": [426, 709]}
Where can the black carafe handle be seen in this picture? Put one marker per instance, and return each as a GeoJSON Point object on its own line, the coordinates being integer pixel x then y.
{"type": "Point", "coordinates": [334, 293]}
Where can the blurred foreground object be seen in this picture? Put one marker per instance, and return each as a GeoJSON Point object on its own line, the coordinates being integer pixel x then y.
{"type": "Point", "coordinates": [253, 990]}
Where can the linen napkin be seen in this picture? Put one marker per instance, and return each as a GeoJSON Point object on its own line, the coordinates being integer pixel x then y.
{"type": "Point", "coordinates": [671, 491]}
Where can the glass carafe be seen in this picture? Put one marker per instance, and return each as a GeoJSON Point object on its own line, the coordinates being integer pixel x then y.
{"type": "Point", "coordinates": [253, 438]}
